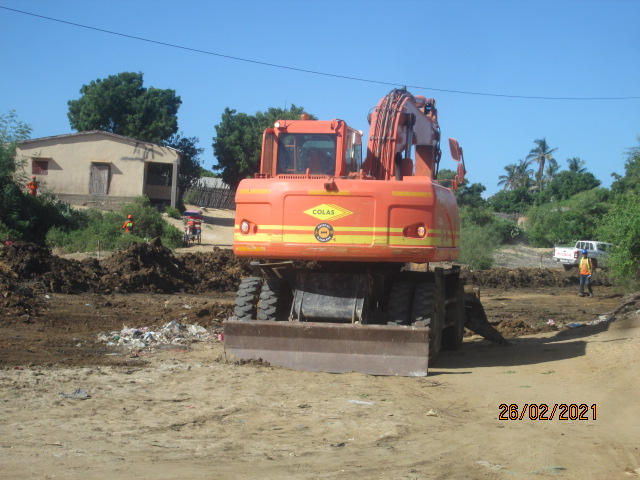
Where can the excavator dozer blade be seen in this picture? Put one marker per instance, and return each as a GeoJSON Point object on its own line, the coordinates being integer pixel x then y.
{"type": "Point", "coordinates": [331, 347]}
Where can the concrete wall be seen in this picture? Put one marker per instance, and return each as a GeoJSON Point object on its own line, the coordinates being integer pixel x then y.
{"type": "Point", "coordinates": [70, 159]}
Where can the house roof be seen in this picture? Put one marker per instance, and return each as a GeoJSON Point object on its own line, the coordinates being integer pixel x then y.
{"type": "Point", "coordinates": [94, 132]}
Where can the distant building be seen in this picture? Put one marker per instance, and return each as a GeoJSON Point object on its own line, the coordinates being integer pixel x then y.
{"type": "Point", "coordinates": [99, 167]}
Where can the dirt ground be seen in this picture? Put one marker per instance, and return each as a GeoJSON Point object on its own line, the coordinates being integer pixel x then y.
{"type": "Point", "coordinates": [77, 403]}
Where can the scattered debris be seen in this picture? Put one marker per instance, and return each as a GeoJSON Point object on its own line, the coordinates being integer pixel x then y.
{"type": "Point", "coordinates": [77, 395]}
{"type": "Point", "coordinates": [172, 333]}
{"type": "Point", "coordinates": [361, 402]}
{"type": "Point", "coordinates": [492, 466]}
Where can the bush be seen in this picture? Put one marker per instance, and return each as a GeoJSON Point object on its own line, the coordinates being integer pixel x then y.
{"type": "Point", "coordinates": [507, 231]}
{"type": "Point", "coordinates": [621, 226]}
{"type": "Point", "coordinates": [173, 213]}
{"type": "Point", "coordinates": [106, 228]}
{"type": "Point", "coordinates": [477, 245]}
{"type": "Point", "coordinates": [565, 222]}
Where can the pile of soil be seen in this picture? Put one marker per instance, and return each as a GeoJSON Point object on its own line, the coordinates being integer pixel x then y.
{"type": "Point", "coordinates": [506, 278]}
{"type": "Point", "coordinates": [34, 264]}
{"type": "Point", "coordinates": [219, 270]}
{"type": "Point", "coordinates": [141, 268]}
{"type": "Point", "coordinates": [17, 300]}
{"type": "Point", "coordinates": [144, 268]}
{"type": "Point", "coordinates": [153, 268]}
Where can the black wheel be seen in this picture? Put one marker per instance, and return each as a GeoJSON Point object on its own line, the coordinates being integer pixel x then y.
{"type": "Point", "coordinates": [247, 298]}
{"type": "Point", "coordinates": [425, 307]}
{"type": "Point", "coordinates": [399, 305]}
{"type": "Point", "coordinates": [275, 300]}
{"type": "Point", "coordinates": [453, 335]}
{"type": "Point", "coordinates": [567, 267]}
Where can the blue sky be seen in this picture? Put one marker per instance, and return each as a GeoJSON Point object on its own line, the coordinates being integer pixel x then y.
{"type": "Point", "coordinates": [497, 48]}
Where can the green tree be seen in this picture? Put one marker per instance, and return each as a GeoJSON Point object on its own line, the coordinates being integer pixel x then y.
{"type": "Point", "coordinates": [630, 182]}
{"type": "Point", "coordinates": [238, 140]}
{"type": "Point", "coordinates": [550, 172]}
{"type": "Point", "coordinates": [621, 226]}
{"type": "Point", "coordinates": [518, 176]}
{"type": "Point", "coordinates": [467, 194]}
{"type": "Point", "coordinates": [120, 104]}
{"type": "Point", "coordinates": [565, 222]}
{"type": "Point", "coordinates": [190, 165]}
{"type": "Point", "coordinates": [566, 184]}
{"type": "Point", "coordinates": [512, 201]}
{"type": "Point", "coordinates": [541, 154]}
{"type": "Point", "coordinates": [12, 198]}
{"type": "Point", "coordinates": [576, 165]}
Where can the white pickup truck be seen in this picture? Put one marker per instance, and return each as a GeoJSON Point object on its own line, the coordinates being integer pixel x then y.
{"type": "Point", "coordinates": [570, 256]}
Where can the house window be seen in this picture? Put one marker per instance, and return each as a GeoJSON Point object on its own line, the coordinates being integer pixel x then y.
{"type": "Point", "coordinates": [39, 167]}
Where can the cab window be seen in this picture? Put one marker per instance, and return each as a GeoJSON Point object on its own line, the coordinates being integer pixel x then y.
{"type": "Point", "coordinates": [297, 152]}
{"type": "Point", "coordinates": [353, 152]}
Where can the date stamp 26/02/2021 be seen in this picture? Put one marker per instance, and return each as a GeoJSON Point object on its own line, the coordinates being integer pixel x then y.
{"type": "Point", "coordinates": [547, 411]}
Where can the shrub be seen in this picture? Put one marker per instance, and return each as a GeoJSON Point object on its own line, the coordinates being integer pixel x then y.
{"type": "Point", "coordinates": [621, 226]}
{"type": "Point", "coordinates": [478, 245]}
{"type": "Point", "coordinates": [106, 228]}
{"type": "Point", "coordinates": [173, 213]}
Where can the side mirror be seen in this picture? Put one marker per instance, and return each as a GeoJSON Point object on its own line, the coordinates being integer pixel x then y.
{"type": "Point", "coordinates": [456, 150]}
{"type": "Point", "coordinates": [460, 174]}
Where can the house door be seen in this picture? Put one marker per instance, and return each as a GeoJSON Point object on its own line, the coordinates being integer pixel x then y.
{"type": "Point", "coordinates": [99, 179]}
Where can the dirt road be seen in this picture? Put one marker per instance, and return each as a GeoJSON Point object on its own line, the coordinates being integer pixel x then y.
{"type": "Point", "coordinates": [185, 410]}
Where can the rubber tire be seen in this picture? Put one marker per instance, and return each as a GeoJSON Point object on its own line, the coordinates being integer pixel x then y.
{"type": "Point", "coordinates": [567, 267]}
{"type": "Point", "coordinates": [275, 300]}
{"type": "Point", "coordinates": [399, 304]}
{"type": "Point", "coordinates": [424, 307]}
{"type": "Point", "coordinates": [247, 298]}
{"type": "Point", "coordinates": [452, 337]}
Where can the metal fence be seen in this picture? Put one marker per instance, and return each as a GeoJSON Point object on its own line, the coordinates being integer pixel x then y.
{"type": "Point", "coordinates": [212, 197]}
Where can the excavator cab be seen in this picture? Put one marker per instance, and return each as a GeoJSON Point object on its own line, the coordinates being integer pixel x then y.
{"type": "Point", "coordinates": [334, 150]}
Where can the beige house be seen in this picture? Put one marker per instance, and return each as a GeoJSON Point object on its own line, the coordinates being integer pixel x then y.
{"type": "Point", "coordinates": [98, 167]}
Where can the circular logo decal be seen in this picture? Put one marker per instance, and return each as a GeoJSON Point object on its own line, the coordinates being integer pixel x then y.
{"type": "Point", "coordinates": [323, 232]}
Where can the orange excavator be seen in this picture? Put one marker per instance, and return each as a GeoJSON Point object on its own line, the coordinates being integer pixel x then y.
{"type": "Point", "coordinates": [337, 242]}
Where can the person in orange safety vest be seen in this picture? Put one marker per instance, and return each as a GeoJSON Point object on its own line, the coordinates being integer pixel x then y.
{"type": "Point", "coordinates": [32, 186]}
{"type": "Point", "coordinates": [128, 225]}
{"type": "Point", "coordinates": [585, 270]}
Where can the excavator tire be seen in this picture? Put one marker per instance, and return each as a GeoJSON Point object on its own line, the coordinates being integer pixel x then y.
{"type": "Point", "coordinates": [452, 337]}
{"type": "Point", "coordinates": [425, 307]}
{"type": "Point", "coordinates": [247, 298]}
{"type": "Point", "coordinates": [273, 304]}
{"type": "Point", "coordinates": [399, 305]}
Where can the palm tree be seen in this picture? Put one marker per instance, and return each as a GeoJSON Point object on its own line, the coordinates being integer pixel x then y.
{"type": "Point", "coordinates": [550, 171]}
{"type": "Point", "coordinates": [540, 155]}
{"type": "Point", "coordinates": [576, 165]}
{"type": "Point", "coordinates": [518, 175]}
{"type": "Point", "coordinates": [509, 180]}
{"type": "Point", "coordinates": [523, 174]}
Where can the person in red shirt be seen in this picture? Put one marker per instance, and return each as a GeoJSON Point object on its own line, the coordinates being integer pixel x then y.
{"type": "Point", "coordinates": [585, 269]}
